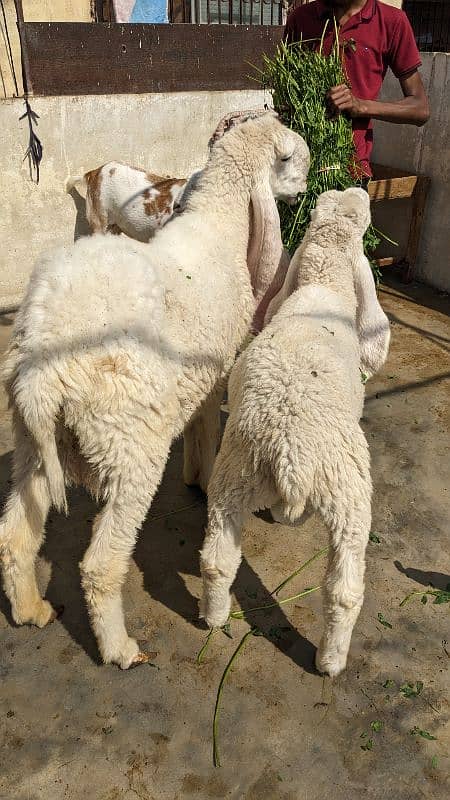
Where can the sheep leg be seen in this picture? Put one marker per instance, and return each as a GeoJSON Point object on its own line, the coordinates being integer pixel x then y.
{"type": "Point", "coordinates": [344, 585]}
{"type": "Point", "coordinates": [229, 496]}
{"type": "Point", "coordinates": [201, 442]}
{"type": "Point", "coordinates": [21, 535]}
{"type": "Point", "coordinates": [105, 564]}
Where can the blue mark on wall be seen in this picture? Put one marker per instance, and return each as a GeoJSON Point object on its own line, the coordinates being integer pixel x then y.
{"type": "Point", "coordinates": [149, 11]}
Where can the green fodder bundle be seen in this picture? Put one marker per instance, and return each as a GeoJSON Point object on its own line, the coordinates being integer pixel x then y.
{"type": "Point", "coordinates": [298, 79]}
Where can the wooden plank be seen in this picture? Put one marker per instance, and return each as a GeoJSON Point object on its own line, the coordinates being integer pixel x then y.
{"type": "Point", "coordinates": [392, 188]}
{"type": "Point", "coordinates": [78, 58]}
{"type": "Point", "coordinates": [385, 262]}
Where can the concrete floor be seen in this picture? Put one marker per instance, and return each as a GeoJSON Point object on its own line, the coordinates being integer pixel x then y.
{"type": "Point", "coordinates": [71, 728]}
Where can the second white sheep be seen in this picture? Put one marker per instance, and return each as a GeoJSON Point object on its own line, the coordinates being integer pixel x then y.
{"type": "Point", "coordinates": [293, 435]}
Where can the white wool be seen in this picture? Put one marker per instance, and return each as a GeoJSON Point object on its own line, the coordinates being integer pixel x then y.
{"type": "Point", "coordinates": [293, 436]}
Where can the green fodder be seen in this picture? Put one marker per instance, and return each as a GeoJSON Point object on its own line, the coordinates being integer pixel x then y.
{"type": "Point", "coordinates": [298, 79]}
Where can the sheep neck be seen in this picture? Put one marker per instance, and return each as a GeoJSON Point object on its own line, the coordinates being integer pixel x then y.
{"type": "Point", "coordinates": [235, 168]}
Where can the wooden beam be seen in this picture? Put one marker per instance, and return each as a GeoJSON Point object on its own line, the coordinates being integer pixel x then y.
{"type": "Point", "coordinates": [392, 188]}
{"type": "Point", "coordinates": [81, 58]}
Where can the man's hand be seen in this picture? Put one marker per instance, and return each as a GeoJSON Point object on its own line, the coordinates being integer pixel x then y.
{"type": "Point", "coordinates": [340, 99]}
{"type": "Point", "coordinates": [412, 110]}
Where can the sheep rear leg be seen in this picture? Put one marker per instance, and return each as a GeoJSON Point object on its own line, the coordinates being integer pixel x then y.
{"type": "Point", "coordinates": [230, 496]}
{"type": "Point", "coordinates": [344, 584]}
{"type": "Point", "coordinates": [219, 561]}
{"type": "Point", "coordinates": [21, 536]}
{"type": "Point", "coordinates": [201, 442]}
{"type": "Point", "coordinates": [105, 564]}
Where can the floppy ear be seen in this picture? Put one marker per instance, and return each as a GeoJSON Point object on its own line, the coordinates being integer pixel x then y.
{"type": "Point", "coordinates": [272, 299]}
{"type": "Point", "coordinates": [264, 244]}
{"type": "Point", "coordinates": [371, 321]}
{"type": "Point", "coordinates": [288, 267]}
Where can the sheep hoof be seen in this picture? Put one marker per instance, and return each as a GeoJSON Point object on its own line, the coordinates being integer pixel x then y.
{"type": "Point", "coordinates": [330, 664]}
{"type": "Point", "coordinates": [56, 614]}
{"type": "Point", "coordinates": [40, 615]}
{"type": "Point", "coordinates": [139, 658]}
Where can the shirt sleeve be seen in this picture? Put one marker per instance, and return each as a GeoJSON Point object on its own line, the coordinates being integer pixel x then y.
{"type": "Point", "coordinates": [403, 55]}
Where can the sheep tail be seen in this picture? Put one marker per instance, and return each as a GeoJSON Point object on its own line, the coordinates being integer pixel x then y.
{"type": "Point", "coordinates": [293, 480]}
{"type": "Point", "coordinates": [73, 181]}
{"type": "Point", "coordinates": [54, 472]}
{"type": "Point", "coordinates": [38, 400]}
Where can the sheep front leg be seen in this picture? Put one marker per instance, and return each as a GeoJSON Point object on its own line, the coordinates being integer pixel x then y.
{"type": "Point", "coordinates": [344, 588]}
{"type": "Point", "coordinates": [201, 442]}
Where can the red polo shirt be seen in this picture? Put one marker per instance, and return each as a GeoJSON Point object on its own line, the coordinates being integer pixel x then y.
{"type": "Point", "coordinates": [382, 37]}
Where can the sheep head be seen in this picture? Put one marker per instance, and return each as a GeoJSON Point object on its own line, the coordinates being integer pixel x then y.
{"type": "Point", "coordinates": [347, 211]}
{"type": "Point", "coordinates": [267, 260]}
{"type": "Point", "coordinates": [336, 214]}
{"type": "Point", "coordinates": [290, 167]}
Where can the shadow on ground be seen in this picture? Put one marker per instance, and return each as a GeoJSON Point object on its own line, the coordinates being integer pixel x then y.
{"type": "Point", "coordinates": [161, 556]}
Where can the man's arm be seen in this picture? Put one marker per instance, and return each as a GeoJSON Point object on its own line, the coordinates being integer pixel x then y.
{"type": "Point", "coordinates": [412, 110]}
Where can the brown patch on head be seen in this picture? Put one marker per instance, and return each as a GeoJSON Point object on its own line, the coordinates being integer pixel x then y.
{"type": "Point", "coordinates": [164, 200]}
{"type": "Point", "coordinates": [112, 171]}
{"type": "Point", "coordinates": [96, 219]}
{"type": "Point", "coordinates": [152, 178]}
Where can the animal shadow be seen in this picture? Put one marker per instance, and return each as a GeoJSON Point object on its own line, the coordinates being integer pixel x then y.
{"type": "Point", "coordinates": [81, 224]}
{"type": "Point", "coordinates": [167, 548]}
{"type": "Point", "coordinates": [438, 580]}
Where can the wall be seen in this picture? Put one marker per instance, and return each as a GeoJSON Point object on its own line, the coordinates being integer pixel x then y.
{"type": "Point", "coordinates": [168, 133]}
{"type": "Point", "coordinates": [425, 150]}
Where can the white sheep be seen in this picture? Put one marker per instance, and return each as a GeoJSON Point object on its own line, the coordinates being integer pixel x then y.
{"type": "Point", "coordinates": [293, 435]}
{"type": "Point", "coordinates": [117, 348]}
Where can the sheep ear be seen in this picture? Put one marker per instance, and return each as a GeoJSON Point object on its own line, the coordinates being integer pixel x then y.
{"type": "Point", "coordinates": [264, 250]}
{"type": "Point", "coordinates": [255, 237]}
{"type": "Point", "coordinates": [272, 299]}
{"type": "Point", "coordinates": [371, 321]}
{"type": "Point", "coordinates": [289, 267]}
{"type": "Point", "coordinates": [285, 144]}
